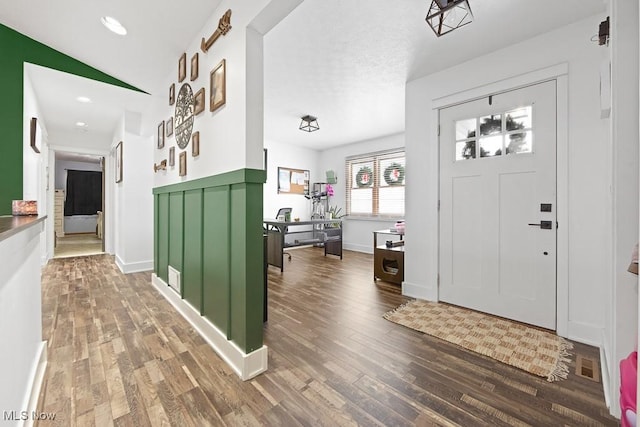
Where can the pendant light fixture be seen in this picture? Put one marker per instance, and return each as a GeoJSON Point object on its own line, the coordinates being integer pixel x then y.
{"type": "Point", "coordinates": [309, 124]}
{"type": "Point", "coordinates": [447, 15]}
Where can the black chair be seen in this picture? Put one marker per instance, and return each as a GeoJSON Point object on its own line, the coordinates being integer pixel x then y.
{"type": "Point", "coordinates": [284, 212]}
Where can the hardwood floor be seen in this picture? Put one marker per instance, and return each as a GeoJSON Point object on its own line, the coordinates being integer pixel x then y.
{"type": "Point", "coordinates": [120, 355]}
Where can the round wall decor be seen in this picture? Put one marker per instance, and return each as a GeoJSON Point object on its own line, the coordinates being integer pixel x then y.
{"type": "Point", "coordinates": [364, 177]}
{"type": "Point", "coordinates": [394, 174]}
{"type": "Point", "coordinates": [184, 116]}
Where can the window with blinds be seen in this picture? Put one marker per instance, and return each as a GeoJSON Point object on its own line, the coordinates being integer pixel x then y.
{"type": "Point", "coordinates": [376, 184]}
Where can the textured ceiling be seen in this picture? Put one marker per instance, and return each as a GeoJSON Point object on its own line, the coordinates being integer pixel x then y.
{"type": "Point", "coordinates": [345, 62]}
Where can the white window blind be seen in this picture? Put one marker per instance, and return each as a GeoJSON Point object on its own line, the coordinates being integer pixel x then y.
{"type": "Point", "coordinates": [376, 184]}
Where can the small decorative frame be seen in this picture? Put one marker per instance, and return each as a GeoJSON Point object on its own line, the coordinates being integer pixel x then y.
{"type": "Point", "coordinates": [34, 130]}
{"type": "Point", "coordinates": [217, 90]}
{"type": "Point", "coordinates": [195, 144]}
{"type": "Point", "coordinates": [161, 135]}
{"type": "Point", "coordinates": [199, 102]}
{"type": "Point", "coordinates": [182, 67]}
{"type": "Point", "coordinates": [172, 94]}
{"type": "Point", "coordinates": [119, 162]}
{"type": "Point", "coordinates": [170, 126]}
{"type": "Point", "coordinates": [194, 67]}
{"type": "Point", "coordinates": [172, 156]}
{"type": "Point", "coordinates": [183, 164]}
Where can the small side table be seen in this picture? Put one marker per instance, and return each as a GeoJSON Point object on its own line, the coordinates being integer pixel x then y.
{"type": "Point", "coordinates": [388, 262]}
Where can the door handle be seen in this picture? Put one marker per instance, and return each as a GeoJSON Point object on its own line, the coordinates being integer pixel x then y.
{"type": "Point", "coordinates": [545, 225]}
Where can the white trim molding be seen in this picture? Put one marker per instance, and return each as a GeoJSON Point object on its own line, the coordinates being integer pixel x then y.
{"type": "Point", "coordinates": [133, 267]}
{"type": "Point", "coordinates": [246, 366]}
{"type": "Point", "coordinates": [428, 293]}
{"type": "Point", "coordinates": [37, 379]}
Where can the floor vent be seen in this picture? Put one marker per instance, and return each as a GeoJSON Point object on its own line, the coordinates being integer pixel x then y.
{"type": "Point", "coordinates": [174, 280]}
{"type": "Point", "coordinates": [587, 368]}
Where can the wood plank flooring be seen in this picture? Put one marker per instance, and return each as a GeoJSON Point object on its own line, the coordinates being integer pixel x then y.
{"type": "Point", "coordinates": [120, 355]}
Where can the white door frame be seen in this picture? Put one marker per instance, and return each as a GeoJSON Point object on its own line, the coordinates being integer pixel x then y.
{"type": "Point", "coordinates": [559, 73]}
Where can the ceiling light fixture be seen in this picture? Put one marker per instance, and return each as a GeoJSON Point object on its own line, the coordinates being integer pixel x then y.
{"type": "Point", "coordinates": [447, 15]}
{"type": "Point", "coordinates": [83, 99]}
{"type": "Point", "coordinates": [309, 124]}
{"type": "Point", "coordinates": [114, 25]}
{"type": "Point", "coordinates": [81, 124]}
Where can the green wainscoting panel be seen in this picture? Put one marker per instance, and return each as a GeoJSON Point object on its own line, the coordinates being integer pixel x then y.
{"type": "Point", "coordinates": [247, 292]}
{"type": "Point", "coordinates": [162, 237]}
{"type": "Point", "coordinates": [16, 50]}
{"type": "Point", "coordinates": [176, 231]}
{"type": "Point", "coordinates": [216, 257]}
{"type": "Point", "coordinates": [192, 265]}
{"type": "Point", "coordinates": [210, 229]}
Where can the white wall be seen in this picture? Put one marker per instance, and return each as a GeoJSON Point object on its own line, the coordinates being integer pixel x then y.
{"type": "Point", "coordinates": [133, 199]}
{"type": "Point", "coordinates": [357, 232]}
{"type": "Point", "coordinates": [289, 156]}
{"type": "Point", "coordinates": [589, 172]}
{"type": "Point", "coordinates": [35, 166]}
{"type": "Point", "coordinates": [225, 143]}
{"type": "Point", "coordinates": [21, 317]}
{"type": "Point", "coordinates": [621, 332]}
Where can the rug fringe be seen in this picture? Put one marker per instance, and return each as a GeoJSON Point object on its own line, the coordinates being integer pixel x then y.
{"type": "Point", "coordinates": [561, 371]}
{"type": "Point", "coordinates": [398, 308]}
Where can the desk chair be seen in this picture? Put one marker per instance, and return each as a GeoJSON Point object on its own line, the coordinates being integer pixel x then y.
{"type": "Point", "coordinates": [284, 211]}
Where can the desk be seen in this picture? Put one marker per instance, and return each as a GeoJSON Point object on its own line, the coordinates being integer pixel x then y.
{"type": "Point", "coordinates": [388, 262]}
{"type": "Point", "coordinates": [327, 232]}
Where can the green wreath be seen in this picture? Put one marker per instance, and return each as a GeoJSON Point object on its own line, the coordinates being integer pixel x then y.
{"type": "Point", "coordinates": [364, 177]}
{"type": "Point", "coordinates": [394, 174]}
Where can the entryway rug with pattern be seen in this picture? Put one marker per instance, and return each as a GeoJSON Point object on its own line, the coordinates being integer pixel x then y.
{"type": "Point", "coordinates": [536, 351]}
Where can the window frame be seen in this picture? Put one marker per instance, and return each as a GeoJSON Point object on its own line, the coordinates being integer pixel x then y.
{"type": "Point", "coordinates": [376, 158]}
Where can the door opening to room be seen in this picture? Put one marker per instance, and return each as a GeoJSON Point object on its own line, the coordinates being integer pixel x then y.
{"type": "Point", "coordinates": [79, 205]}
{"type": "Point", "coordinates": [498, 205]}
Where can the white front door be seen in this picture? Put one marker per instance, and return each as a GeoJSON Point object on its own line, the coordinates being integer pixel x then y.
{"type": "Point", "coordinates": [498, 205]}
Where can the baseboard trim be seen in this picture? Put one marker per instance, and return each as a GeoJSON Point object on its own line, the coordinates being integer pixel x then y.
{"type": "Point", "coordinates": [419, 291]}
{"type": "Point", "coordinates": [584, 333]}
{"type": "Point", "coordinates": [367, 249]}
{"type": "Point", "coordinates": [133, 267]}
{"type": "Point", "coordinates": [604, 370]}
{"type": "Point", "coordinates": [246, 366]}
{"type": "Point", "coordinates": [36, 383]}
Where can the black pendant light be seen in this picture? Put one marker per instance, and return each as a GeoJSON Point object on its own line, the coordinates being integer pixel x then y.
{"type": "Point", "coordinates": [309, 124]}
{"type": "Point", "coordinates": [447, 15]}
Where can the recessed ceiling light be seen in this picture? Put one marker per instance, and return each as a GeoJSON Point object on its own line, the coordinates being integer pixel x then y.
{"type": "Point", "coordinates": [114, 25]}
{"type": "Point", "coordinates": [83, 99]}
{"type": "Point", "coordinates": [81, 124]}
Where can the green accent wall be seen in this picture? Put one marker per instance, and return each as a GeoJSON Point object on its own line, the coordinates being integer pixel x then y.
{"type": "Point", "coordinates": [210, 229]}
{"type": "Point", "coordinates": [17, 49]}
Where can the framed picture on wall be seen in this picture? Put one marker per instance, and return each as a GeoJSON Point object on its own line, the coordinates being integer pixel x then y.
{"type": "Point", "coordinates": [34, 131]}
{"type": "Point", "coordinates": [119, 162]}
{"type": "Point", "coordinates": [194, 67]}
{"type": "Point", "coordinates": [195, 144]}
{"type": "Point", "coordinates": [182, 67]}
{"type": "Point", "coordinates": [183, 164]}
{"type": "Point", "coordinates": [172, 156]}
{"type": "Point", "coordinates": [218, 83]}
{"type": "Point", "coordinates": [161, 135]}
{"type": "Point", "coordinates": [172, 94]}
{"type": "Point", "coordinates": [170, 126]}
{"type": "Point", "coordinates": [199, 102]}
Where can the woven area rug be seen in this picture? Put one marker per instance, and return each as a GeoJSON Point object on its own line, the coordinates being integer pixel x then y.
{"type": "Point", "coordinates": [533, 350]}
